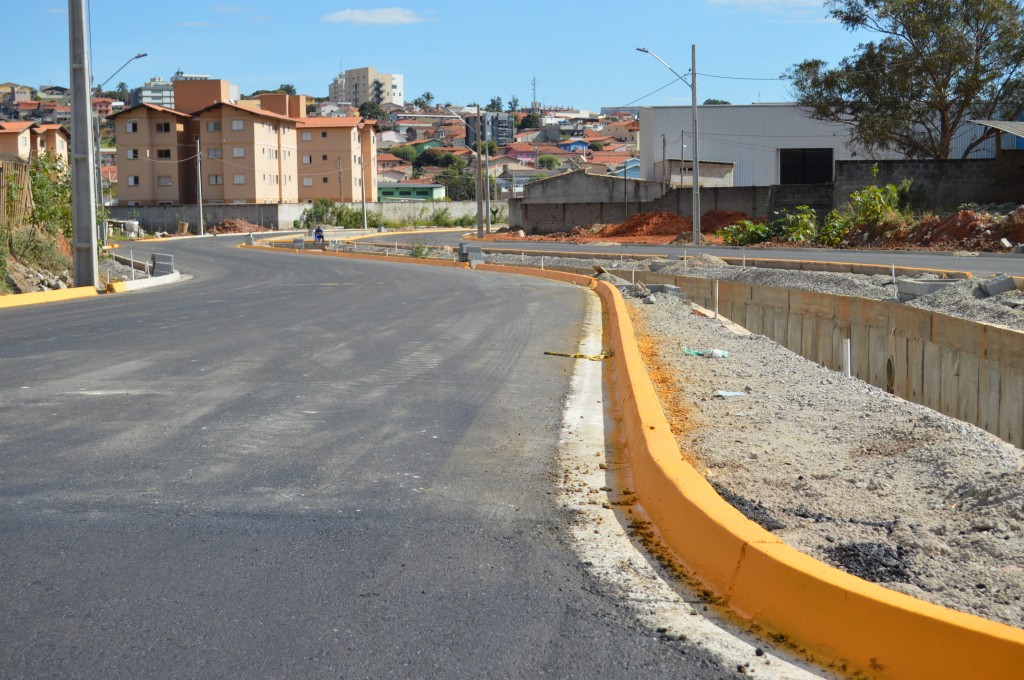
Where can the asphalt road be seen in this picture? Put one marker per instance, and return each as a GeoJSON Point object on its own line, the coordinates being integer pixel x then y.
{"type": "Point", "coordinates": [983, 264]}
{"type": "Point", "coordinates": [297, 467]}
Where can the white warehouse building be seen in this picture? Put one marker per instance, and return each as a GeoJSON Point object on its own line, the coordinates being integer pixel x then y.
{"type": "Point", "coordinates": [768, 144]}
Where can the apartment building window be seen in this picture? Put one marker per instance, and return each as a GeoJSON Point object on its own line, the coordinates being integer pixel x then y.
{"type": "Point", "coordinates": [325, 157]}
{"type": "Point", "coordinates": [214, 153]}
{"type": "Point", "coordinates": [239, 179]}
{"type": "Point", "coordinates": [216, 180]}
{"type": "Point", "coordinates": [133, 180]}
{"type": "Point", "coordinates": [237, 125]}
{"type": "Point", "coordinates": [131, 126]}
{"type": "Point", "coordinates": [307, 181]}
{"type": "Point", "coordinates": [306, 160]}
{"type": "Point", "coordinates": [163, 180]}
{"type": "Point", "coordinates": [164, 154]}
{"type": "Point", "coordinates": [325, 180]}
{"type": "Point", "coordinates": [323, 134]}
{"type": "Point", "coordinates": [307, 136]}
{"type": "Point", "coordinates": [163, 127]}
{"type": "Point", "coordinates": [213, 126]}
{"type": "Point", "coordinates": [133, 154]}
{"type": "Point", "coordinates": [238, 152]}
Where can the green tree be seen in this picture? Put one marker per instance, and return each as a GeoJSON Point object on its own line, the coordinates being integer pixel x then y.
{"type": "Point", "coordinates": [459, 182]}
{"type": "Point", "coordinates": [371, 111]}
{"type": "Point", "coordinates": [597, 146]}
{"type": "Point", "coordinates": [406, 153]}
{"type": "Point", "coordinates": [490, 145]}
{"type": "Point", "coordinates": [513, 104]}
{"type": "Point", "coordinates": [938, 64]}
{"type": "Point", "coordinates": [419, 103]}
{"type": "Point", "coordinates": [435, 157]}
{"type": "Point", "coordinates": [122, 91]}
{"type": "Point", "coordinates": [548, 162]}
{"type": "Point", "coordinates": [494, 105]}
{"type": "Point", "coordinates": [428, 98]}
{"type": "Point", "coordinates": [530, 121]}
{"type": "Point", "coordinates": [716, 102]}
{"type": "Point", "coordinates": [286, 88]}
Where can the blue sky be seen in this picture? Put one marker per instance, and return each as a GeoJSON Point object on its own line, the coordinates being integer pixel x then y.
{"type": "Point", "coordinates": [582, 54]}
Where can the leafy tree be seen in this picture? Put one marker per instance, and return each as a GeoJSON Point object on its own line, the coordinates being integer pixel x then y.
{"type": "Point", "coordinates": [494, 105]}
{"type": "Point", "coordinates": [530, 121]}
{"type": "Point", "coordinates": [548, 162]}
{"type": "Point", "coordinates": [596, 146]}
{"type": "Point", "coordinates": [371, 111]}
{"type": "Point", "coordinates": [716, 102]}
{"type": "Point", "coordinates": [286, 88]}
{"type": "Point", "coordinates": [513, 104]}
{"type": "Point", "coordinates": [460, 183]}
{"type": "Point", "coordinates": [419, 103]}
{"type": "Point", "coordinates": [428, 98]}
{"type": "Point", "coordinates": [938, 64]}
{"type": "Point", "coordinates": [406, 153]}
{"type": "Point", "coordinates": [122, 91]}
{"type": "Point", "coordinates": [490, 145]}
{"type": "Point", "coordinates": [435, 157]}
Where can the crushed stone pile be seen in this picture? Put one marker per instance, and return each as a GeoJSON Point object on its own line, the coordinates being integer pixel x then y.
{"type": "Point", "coordinates": [237, 226]}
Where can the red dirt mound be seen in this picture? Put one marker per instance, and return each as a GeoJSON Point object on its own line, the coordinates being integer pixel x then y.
{"type": "Point", "coordinates": [647, 224]}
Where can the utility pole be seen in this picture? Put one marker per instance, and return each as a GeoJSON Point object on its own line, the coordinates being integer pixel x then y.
{"type": "Point", "coordinates": [664, 161]}
{"type": "Point", "coordinates": [341, 183]}
{"type": "Point", "coordinates": [487, 179]}
{"type": "Point", "coordinates": [199, 184]}
{"type": "Point", "coordinates": [479, 182]}
{"type": "Point", "coordinates": [83, 190]}
{"type": "Point", "coordinates": [696, 152]}
{"type": "Point", "coordinates": [362, 181]}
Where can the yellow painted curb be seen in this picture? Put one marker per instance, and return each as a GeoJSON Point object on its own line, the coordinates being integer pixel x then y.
{"type": "Point", "coordinates": [840, 620]}
{"type": "Point", "coordinates": [22, 299]}
{"type": "Point", "coordinates": [572, 254]}
{"type": "Point", "coordinates": [392, 232]}
{"type": "Point", "coordinates": [117, 287]}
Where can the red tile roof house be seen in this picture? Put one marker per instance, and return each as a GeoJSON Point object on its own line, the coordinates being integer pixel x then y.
{"type": "Point", "coordinates": [386, 161]}
{"type": "Point", "coordinates": [102, 106]}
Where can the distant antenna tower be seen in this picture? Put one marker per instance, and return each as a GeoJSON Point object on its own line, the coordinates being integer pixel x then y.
{"type": "Point", "coordinates": [534, 104]}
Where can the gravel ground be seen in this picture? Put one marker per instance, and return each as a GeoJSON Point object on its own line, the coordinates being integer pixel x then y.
{"type": "Point", "coordinates": [112, 270]}
{"type": "Point", "coordinates": [877, 486]}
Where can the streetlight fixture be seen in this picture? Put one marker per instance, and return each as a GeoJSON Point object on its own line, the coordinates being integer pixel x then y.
{"type": "Point", "coordinates": [99, 160]}
{"type": "Point", "coordinates": [696, 154]}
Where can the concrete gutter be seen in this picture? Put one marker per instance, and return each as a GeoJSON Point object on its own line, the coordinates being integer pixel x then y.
{"type": "Point", "coordinates": [835, 619]}
{"type": "Point", "coordinates": [23, 299]}
{"type": "Point", "coordinates": [840, 267]}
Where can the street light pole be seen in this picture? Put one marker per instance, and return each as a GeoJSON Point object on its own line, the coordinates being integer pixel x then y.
{"type": "Point", "coordinates": [696, 154]}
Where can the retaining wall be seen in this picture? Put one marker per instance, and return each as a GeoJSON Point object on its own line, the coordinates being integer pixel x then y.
{"type": "Point", "coordinates": [966, 370]}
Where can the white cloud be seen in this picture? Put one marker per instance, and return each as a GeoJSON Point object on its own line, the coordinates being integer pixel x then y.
{"type": "Point", "coordinates": [363, 17]}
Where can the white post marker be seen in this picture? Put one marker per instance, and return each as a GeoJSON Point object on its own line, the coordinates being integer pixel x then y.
{"type": "Point", "coordinates": [846, 358]}
{"type": "Point", "coordinates": [716, 298]}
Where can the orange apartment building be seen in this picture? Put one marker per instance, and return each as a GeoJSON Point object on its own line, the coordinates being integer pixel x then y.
{"type": "Point", "coordinates": [50, 138]}
{"type": "Point", "coordinates": [249, 154]}
{"type": "Point", "coordinates": [153, 152]}
{"type": "Point", "coordinates": [337, 160]}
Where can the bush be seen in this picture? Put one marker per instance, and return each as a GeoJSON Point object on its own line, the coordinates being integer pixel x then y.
{"type": "Point", "coordinates": [746, 232]}
{"type": "Point", "coordinates": [419, 250]}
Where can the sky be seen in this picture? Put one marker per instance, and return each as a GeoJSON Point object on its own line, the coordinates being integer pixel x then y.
{"type": "Point", "coordinates": [583, 55]}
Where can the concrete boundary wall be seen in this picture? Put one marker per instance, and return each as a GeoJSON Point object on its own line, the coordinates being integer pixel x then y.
{"type": "Point", "coordinates": [966, 370]}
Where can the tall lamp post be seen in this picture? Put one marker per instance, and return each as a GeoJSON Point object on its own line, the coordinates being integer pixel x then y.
{"type": "Point", "coordinates": [99, 161]}
{"type": "Point", "coordinates": [696, 154]}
